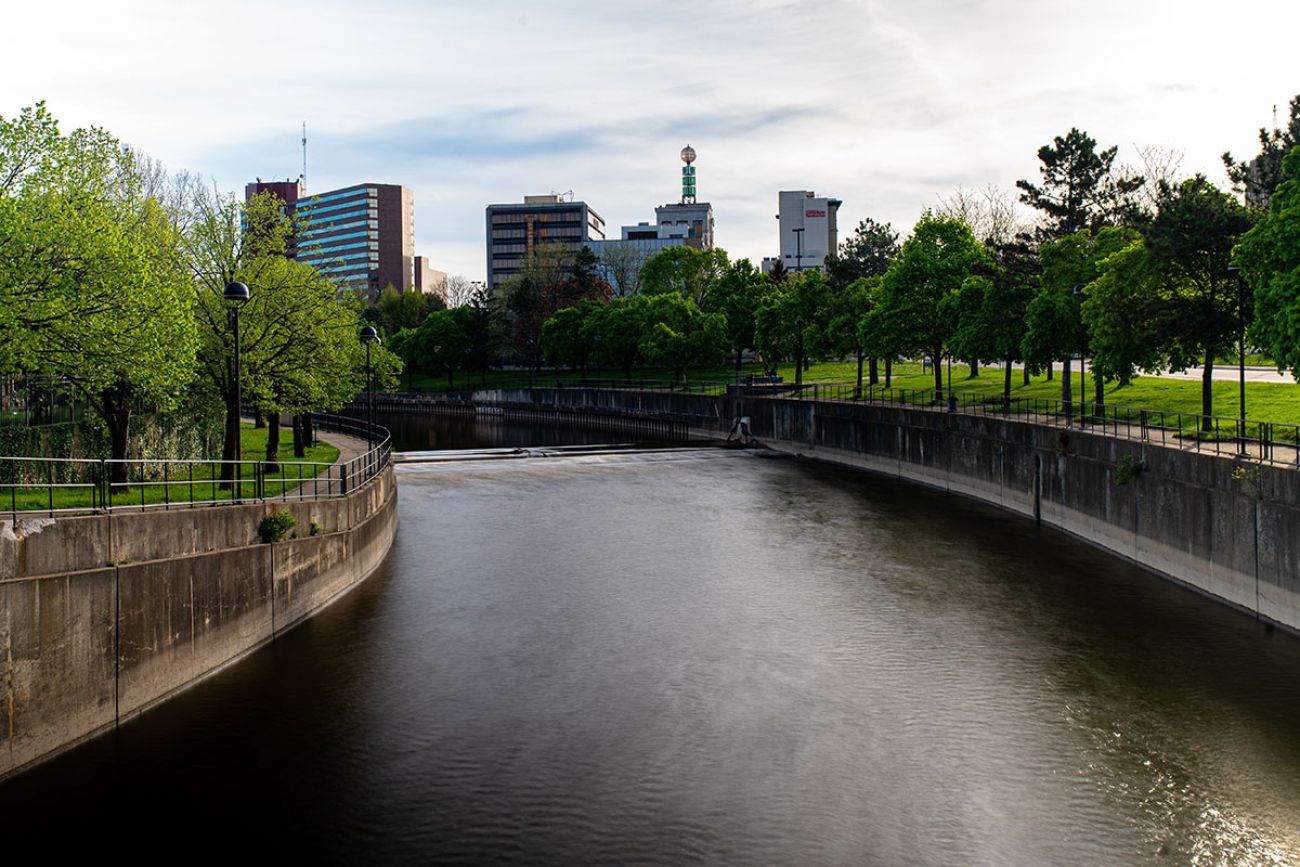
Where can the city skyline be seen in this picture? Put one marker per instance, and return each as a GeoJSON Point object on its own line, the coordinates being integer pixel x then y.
{"type": "Point", "coordinates": [889, 106]}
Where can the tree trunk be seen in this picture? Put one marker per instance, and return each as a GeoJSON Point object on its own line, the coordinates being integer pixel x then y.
{"type": "Point", "coordinates": [936, 361]}
{"type": "Point", "coordinates": [739, 352]}
{"type": "Point", "coordinates": [1207, 393]}
{"type": "Point", "coordinates": [451, 382]}
{"type": "Point", "coordinates": [858, 393]}
{"type": "Point", "coordinates": [889, 371]}
{"type": "Point", "coordinates": [873, 371]}
{"type": "Point", "coordinates": [1025, 374]}
{"type": "Point", "coordinates": [1049, 371]}
{"type": "Point", "coordinates": [117, 418]}
{"type": "Point", "coordinates": [1006, 383]}
{"type": "Point", "coordinates": [299, 439]}
{"type": "Point", "coordinates": [974, 367]}
{"type": "Point", "coordinates": [259, 420]}
{"type": "Point", "coordinates": [1099, 389]}
{"type": "Point", "coordinates": [272, 443]}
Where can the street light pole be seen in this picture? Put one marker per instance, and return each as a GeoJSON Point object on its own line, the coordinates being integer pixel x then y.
{"type": "Point", "coordinates": [1241, 356]}
{"type": "Point", "coordinates": [798, 241]}
{"type": "Point", "coordinates": [236, 296]}
{"type": "Point", "coordinates": [798, 369]}
{"type": "Point", "coordinates": [1083, 347]}
{"type": "Point", "coordinates": [368, 336]}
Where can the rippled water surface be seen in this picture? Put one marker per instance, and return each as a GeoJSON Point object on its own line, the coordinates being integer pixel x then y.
{"type": "Point", "coordinates": [711, 657]}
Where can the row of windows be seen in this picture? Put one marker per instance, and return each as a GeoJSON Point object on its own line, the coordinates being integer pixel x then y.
{"type": "Point", "coordinates": [356, 192]}
{"type": "Point", "coordinates": [544, 217]}
{"type": "Point", "coordinates": [309, 212]}
{"type": "Point", "coordinates": [509, 233]}
{"type": "Point", "coordinates": [313, 260]}
{"type": "Point", "coordinates": [321, 228]}
{"type": "Point", "coordinates": [315, 245]}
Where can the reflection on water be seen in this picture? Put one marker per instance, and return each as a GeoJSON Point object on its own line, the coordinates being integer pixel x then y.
{"type": "Point", "coordinates": [709, 657]}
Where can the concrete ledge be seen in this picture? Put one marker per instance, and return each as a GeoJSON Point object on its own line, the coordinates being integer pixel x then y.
{"type": "Point", "coordinates": [146, 605]}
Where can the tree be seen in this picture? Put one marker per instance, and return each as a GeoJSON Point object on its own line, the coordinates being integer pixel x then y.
{"type": "Point", "coordinates": [456, 290]}
{"type": "Point", "coordinates": [621, 265]}
{"type": "Point", "coordinates": [1269, 256]}
{"type": "Point", "coordinates": [399, 310]}
{"type": "Point", "coordinates": [299, 346]}
{"type": "Point", "coordinates": [1190, 242]}
{"type": "Point", "coordinates": [1257, 178]}
{"type": "Point", "coordinates": [443, 343]}
{"type": "Point", "coordinates": [91, 290]}
{"type": "Point", "coordinates": [684, 270]}
{"type": "Point", "coordinates": [990, 213]}
{"type": "Point", "coordinates": [844, 332]}
{"type": "Point", "coordinates": [932, 265]}
{"type": "Point", "coordinates": [616, 331]}
{"type": "Point", "coordinates": [1078, 190]}
{"type": "Point", "coordinates": [1122, 311]}
{"type": "Point", "coordinates": [566, 337]}
{"type": "Point", "coordinates": [777, 323]}
{"type": "Point", "coordinates": [678, 335]}
{"type": "Point", "coordinates": [484, 325]}
{"type": "Point", "coordinates": [737, 295]}
{"type": "Point", "coordinates": [865, 253]}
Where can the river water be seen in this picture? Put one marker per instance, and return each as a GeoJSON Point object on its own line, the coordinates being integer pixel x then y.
{"type": "Point", "coordinates": [704, 656]}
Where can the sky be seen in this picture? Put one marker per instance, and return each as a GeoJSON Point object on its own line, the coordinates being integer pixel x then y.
{"type": "Point", "coordinates": [888, 105]}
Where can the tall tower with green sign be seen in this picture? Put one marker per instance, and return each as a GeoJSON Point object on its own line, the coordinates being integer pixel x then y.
{"type": "Point", "coordinates": [688, 176]}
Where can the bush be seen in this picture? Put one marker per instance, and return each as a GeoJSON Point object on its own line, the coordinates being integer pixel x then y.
{"type": "Point", "coordinates": [275, 525]}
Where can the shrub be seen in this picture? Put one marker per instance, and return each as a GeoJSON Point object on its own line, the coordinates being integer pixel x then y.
{"type": "Point", "coordinates": [275, 525]}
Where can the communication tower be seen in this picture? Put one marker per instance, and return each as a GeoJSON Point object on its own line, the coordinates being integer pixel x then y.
{"type": "Point", "coordinates": [688, 176]}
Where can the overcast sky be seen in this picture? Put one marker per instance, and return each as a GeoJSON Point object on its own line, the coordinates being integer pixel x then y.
{"type": "Point", "coordinates": [887, 105]}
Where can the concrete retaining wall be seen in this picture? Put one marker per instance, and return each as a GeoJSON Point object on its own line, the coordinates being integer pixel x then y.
{"type": "Point", "coordinates": [103, 616]}
{"type": "Point", "coordinates": [1228, 528]}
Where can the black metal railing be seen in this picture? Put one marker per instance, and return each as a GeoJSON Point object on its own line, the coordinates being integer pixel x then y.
{"type": "Point", "coordinates": [54, 486]}
{"type": "Point", "coordinates": [1268, 442]}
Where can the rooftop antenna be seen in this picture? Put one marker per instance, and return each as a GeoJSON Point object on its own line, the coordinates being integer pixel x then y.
{"type": "Point", "coordinates": [562, 195]}
{"type": "Point", "coordinates": [688, 176]}
{"type": "Point", "coordinates": [303, 176]}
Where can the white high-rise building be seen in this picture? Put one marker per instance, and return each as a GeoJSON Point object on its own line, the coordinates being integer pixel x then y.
{"type": "Point", "coordinates": [808, 230]}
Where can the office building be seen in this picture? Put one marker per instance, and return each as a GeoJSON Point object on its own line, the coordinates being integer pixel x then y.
{"type": "Point", "coordinates": [621, 260]}
{"type": "Point", "coordinates": [361, 237]}
{"type": "Point", "coordinates": [516, 231]}
{"type": "Point", "coordinates": [695, 218]}
{"type": "Point", "coordinates": [808, 230]}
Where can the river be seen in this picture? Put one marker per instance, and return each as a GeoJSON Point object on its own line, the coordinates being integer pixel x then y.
{"type": "Point", "coordinates": [705, 656]}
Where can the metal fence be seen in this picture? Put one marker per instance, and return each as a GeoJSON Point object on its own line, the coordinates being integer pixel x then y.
{"type": "Point", "coordinates": [1269, 442]}
{"type": "Point", "coordinates": [55, 486]}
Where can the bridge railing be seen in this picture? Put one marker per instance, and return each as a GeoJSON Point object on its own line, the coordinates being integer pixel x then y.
{"type": "Point", "coordinates": [66, 486]}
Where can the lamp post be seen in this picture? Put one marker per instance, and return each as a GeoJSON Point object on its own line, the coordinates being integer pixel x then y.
{"type": "Point", "coordinates": [798, 246]}
{"type": "Point", "coordinates": [798, 369]}
{"type": "Point", "coordinates": [236, 296]}
{"type": "Point", "coordinates": [1241, 357]}
{"type": "Point", "coordinates": [368, 336]}
{"type": "Point", "coordinates": [1083, 346]}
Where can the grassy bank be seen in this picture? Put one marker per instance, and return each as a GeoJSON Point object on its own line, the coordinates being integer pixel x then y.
{"type": "Point", "coordinates": [170, 481]}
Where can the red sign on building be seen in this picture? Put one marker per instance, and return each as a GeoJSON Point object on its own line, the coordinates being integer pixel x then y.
{"type": "Point", "coordinates": [814, 213]}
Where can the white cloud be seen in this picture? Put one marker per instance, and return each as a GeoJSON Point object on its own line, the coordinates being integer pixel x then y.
{"type": "Point", "coordinates": [883, 103]}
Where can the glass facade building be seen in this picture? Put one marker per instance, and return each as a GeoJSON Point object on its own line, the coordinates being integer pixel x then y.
{"type": "Point", "coordinates": [362, 237]}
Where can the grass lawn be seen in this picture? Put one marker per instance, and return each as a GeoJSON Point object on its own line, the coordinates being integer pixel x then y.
{"type": "Point", "coordinates": [1277, 403]}
{"type": "Point", "coordinates": [184, 481]}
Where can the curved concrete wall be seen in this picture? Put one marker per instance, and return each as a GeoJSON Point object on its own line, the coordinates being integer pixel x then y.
{"type": "Point", "coordinates": [103, 616]}
{"type": "Point", "coordinates": [1227, 528]}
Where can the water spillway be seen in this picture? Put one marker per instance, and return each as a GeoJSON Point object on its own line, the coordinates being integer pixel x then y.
{"type": "Point", "coordinates": [701, 656]}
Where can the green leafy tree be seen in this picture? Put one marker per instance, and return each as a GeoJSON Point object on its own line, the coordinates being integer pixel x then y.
{"type": "Point", "coordinates": [844, 334]}
{"type": "Point", "coordinates": [399, 310]}
{"type": "Point", "coordinates": [800, 314]}
{"type": "Point", "coordinates": [1269, 256]}
{"type": "Point", "coordinates": [737, 295]}
{"type": "Point", "coordinates": [566, 337]}
{"type": "Point", "coordinates": [915, 312]}
{"type": "Point", "coordinates": [679, 335]}
{"type": "Point", "coordinates": [1078, 189]}
{"type": "Point", "coordinates": [91, 288]}
{"type": "Point", "coordinates": [1190, 242]}
{"type": "Point", "coordinates": [1258, 177]}
{"type": "Point", "coordinates": [616, 331]}
{"type": "Point", "coordinates": [685, 271]}
{"type": "Point", "coordinates": [1122, 311]}
{"type": "Point", "coordinates": [443, 343]}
